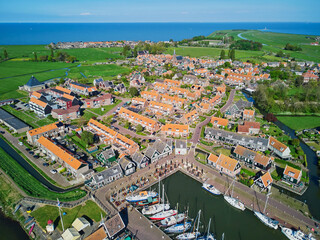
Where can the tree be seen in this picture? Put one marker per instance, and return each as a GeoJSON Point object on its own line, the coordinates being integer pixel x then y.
{"type": "Point", "coordinates": [126, 50]}
{"type": "Point", "coordinates": [52, 53]}
{"type": "Point", "coordinates": [35, 57]}
{"type": "Point", "coordinates": [87, 137]}
{"type": "Point", "coordinates": [222, 54]}
{"type": "Point", "coordinates": [298, 81]}
{"type": "Point", "coordinates": [61, 81]}
{"type": "Point", "coordinates": [5, 53]}
{"type": "Point", "coordinates": [133, 92]}
{"type": "Point", "coordinates": [270, 117]}
{"type": "Point", "coordinates": [43, 58]}
{"type": "Point", "coordinates": [107, 120]}
{"type": "Point", "coordinates": [233, 54]}
{"type": "Point", "coordinates": [127, 125]}
{"type": "Point", "coordinates": [139, 128]}
{"type": "Point", "coordinates": [295, 142]}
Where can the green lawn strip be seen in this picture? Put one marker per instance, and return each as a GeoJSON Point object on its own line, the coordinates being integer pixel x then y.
{"type": "Point", "coordinates": [30, 185]}
{"type": "Point", "coordinates": [13, 94]}
{"type": "Point", "coordinates": [90, 210]}
{"type": "Point", "coordinates": [223, 151]}
{"type": "Point", "coordinates": [88, 115]}
{"type": "Point", "coordinates": [9, 195]}
{"type": "Point", "coordinates": [106, 109]}
{"type": "Point", "coordinates": [247, 172]}
{"type": "Point", "coordinates": [99, 169]}
{"type": "Point", "coordinates": [21, 115]}
{"type": "Point", "coordinates": [44, 122]}
{"type": "Point", "coordinates": [300, 122]}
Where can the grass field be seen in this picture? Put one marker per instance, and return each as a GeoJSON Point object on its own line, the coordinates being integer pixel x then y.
{"type": "Point", "coordinates": [89, 209]}
{"type": "Point", "coordinates": [9, 194]}
{"type": "Point", "coordinates": [299, 123]}
{"type": "Point", "coordinates": [105, 108]}
{"type": "Point", "coordinates": [29, 184]}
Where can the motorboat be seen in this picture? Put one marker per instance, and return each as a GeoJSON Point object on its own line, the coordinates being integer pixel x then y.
{"type": "Point", "coordinates": [141, 196]}
{"type": "Point", "coordinates": [211, 189]}
{"type": "Point", "coordinates": [149, 201]}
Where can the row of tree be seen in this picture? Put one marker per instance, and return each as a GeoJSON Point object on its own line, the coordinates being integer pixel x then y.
{"type": "Point", "coordinates": [291, 47]}
{"type": "Point", "coordinates": [246, 45]}
{"type": "Point", "coordinates": [231, 54]}
{"type": "Point", "coordinates": [154, 48]}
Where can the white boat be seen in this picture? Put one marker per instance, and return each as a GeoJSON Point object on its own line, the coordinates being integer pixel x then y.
{"type": "Point", "coordinates": [234, 201]}
{"type": "Point", "coordinates": [167, 222]}
{"type": "Point", "coordinates": [150, 210]}
{"type": "Point", "coordinates": [141, 196]}
{"type": "Point", "coordinates": [211, 189]}
{"type": "Point", "coordinates": [296, 235]}
{"type": "Point", "coordinates": [193, 234]}
{"type": "Point", "coordinates": [164, 214]}
{"type": "Point", "coordinates": [266, 220]}
{"type": "Point", "coordinates": [208, 236]}
{"type": "Point", "coordinates": [178, 228]}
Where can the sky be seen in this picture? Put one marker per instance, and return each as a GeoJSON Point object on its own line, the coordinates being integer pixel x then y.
{"type": "Point", "coordinates": [159, 11]}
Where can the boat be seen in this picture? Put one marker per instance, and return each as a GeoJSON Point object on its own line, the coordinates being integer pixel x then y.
{"type": "Point", "coordinates": [296, 234]}
{"type": "Point", "coordinates": [164, 214]}
{"type": "Point", "coordinates": [149, 201]}
{"type": "Point", "coordinates": [30, 225]}
{"type": "Point", "coordinates": [141, 196]}
{"type": "Point", "coordinates": [211, 189]}
{"type": "Point", "coordinates": [208, 236]}
{"type": "Point", "coordinates": [154, 209]}
{"type": "Point", "coordinates": [234, 201]}
{"type": "Point", "coordinates": [193, 234]}
{"type": "Point", "coordinates": [167, 222]}
{"type": "Point", "coordinates": [264, 218]}
{"type": "Point", "coordinates": [178, 228]}
{"type": "Point", "coordinates": [32, 228]}
{"type": "Point", "coordinates": [17, 208]}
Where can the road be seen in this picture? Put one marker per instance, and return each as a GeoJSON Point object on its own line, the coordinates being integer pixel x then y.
{"type": "Point", "coordinates": [110, 112]}
{"type": "Point", "coordinates": [125, 131]}
{"type": "Point", "coordinates": [229, 102]}
{"type": "Point", "coordinates": [197, 131]}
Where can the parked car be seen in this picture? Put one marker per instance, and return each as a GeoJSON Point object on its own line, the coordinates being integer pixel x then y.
{"type": "Point", "coordinates": [45, 164]}
{"type": "Point", "coordinates": [53, 171]}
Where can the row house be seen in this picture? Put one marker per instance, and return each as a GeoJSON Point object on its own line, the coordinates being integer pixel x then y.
{"type": "Point", "coordinates": [172, 83]}
{"type": "Point", "coordinates": [110, 136]}
{"type": "Point", "coordinates": [151, 95]}
{"type": "Point", "coordinates": [159, 149]}
{"type": "Point", "coordinates": [221, 90]}
{"type": "Point", "coordinates": [66, 101]}
{"type": "Point", "coordinates": [255, 143]}
{"type": "Point", "coordinates": [173, 100]}
{"type": "Point", "coordinates": [135, 118]}
{"type": "Point", "coordinates": [193, 95]}
{"type": "Point", "coordinates": [107, 176]}
{"type": "Point", "coordinates": [234, 81]}
{"type": "Point", "coordinates": [197, 88]}
{"type": "Point", "coordinates": [66, 114]}
{"type": "Point", "coordinates": [249, 128]}
{"type": "Point", "coordinates": [175, 130]}
{"type": "Point", "coordinates": [162, 108]}
{"type": "Point", "coordinates": [224, 164]}
{"type": "Point", "coordinates": [190, 79]}
{"type": "Point", "coordinates": [103, 100]}
{"type": "Point", "coordinates": [140, 159]}
{"type": "Point", "coordinates": [160, 87]}
{"type": "Point", "coordinates": [51, 130]}
{"type": "Point", "coordinates": [248, 115]}
{"type": "Point", "coordinates": [253, 159]}
{"type": "Point", "coordinates": [215, 100]}
{"type": "Point", "coordinates": [190, 117]}
{"type": "Point", "coordinates": [204, 107]}
{"type": "Point", "coordinates": [279, 148]}
{"type": "Point", "coordinates": [63, 156]}
{"type": "Point", "coordinates": [82, 89]}
{"type": "Point", "coordinates": [58, 91]}
{"type": "Point", "coordinates": [128, 167]}
{"type": "Point", "coordinates": [181, 92]}
{"type": "Point", "coordinates": [139, 101]}
{"type": "Point", "coordinates": [40, 107]}
{"type": "Point", "coordinates": [219, 122]}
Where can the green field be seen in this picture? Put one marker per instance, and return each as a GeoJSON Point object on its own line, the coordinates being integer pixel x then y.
{"type": "Point", "coordinates": [29, 184]}
{"type": "Point", "coordinates": [90, 209]}
{"type": "Point", "coordinates": [299, 123]}
{"type": "Point", "coordinates": [105, 108]}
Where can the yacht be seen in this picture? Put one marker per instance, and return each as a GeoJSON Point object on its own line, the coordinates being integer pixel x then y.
{"type": "Point", "coordinates": [296, 235]}
{"type": "Point", "coordinates": [266, 220]}
{"type": "Point", "coordinates": [164, 214]}
{"type": "Point", "coordinates": [156, 208]}
{"type": "Point", "coordinates": [211, 189]}
{"type": "Point", "coordinates": [141, 196]}
{"type": "Point", "coordinates": [193, 234]}
{"type": "Point", "coordinates": [167, 222]}
{"type": "Point", "coordinates": [208, 236]}
{"type": "Point", "coordinates": [179, 228]}
{"type": "Point", "coordinates": [234, 201]}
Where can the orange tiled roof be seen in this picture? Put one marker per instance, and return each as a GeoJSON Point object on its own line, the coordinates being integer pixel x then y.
{"type": "Point", "coordinates": [61, 153]}
{"type": "Point", "coordinates": [36, 94]}
{"type": "Point", "coordinates": [166, 97]}
{"type": "Point", "coordinates": [103, 127]}
{"type": "Point", "coordinates": [43, 129]}
{"type": "Point", "coordinates": [248, 112]}
{"type": "Point", "coordinates": [100, 234]}
{"type": "Point", "coordinates": [63, 89]}
{"type": "Point", "coordinates": [227, 162]}
{"type": "Point", "coordinates": [67, 96]}
{"type": "Point", "coordinates": [137, 99]}
{"type": "Point", "coordinates": [175, 128]}
{"type": "Point", "coordinates": [172, 82]}
{"type": "Point", "coordinates": [219, 121]}
{"type": "Point", "coordinates": [38, 102]}
{"type": "Point", "coordinates": [144, 120]}
{"type": "Point", "coordinates": [159, 105]}
{"type": "Point", "coordinates": [191, 114]}
{"type": "Point", "coordinates": [213, 158]}
{"type": "Point", "coordinates": [292, 172]}
{"type": "Point", "coordinates": [276, 144]}
{"type": "Point", "coordinates": [266, 179]}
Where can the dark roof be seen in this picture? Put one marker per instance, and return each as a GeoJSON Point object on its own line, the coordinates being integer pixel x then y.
{"type": "Point", "coordinates": [4, 115]}
{"type": "Point", "coordinates": [33, 82]}
{"type": "Point", "coordinates": [12, 120]}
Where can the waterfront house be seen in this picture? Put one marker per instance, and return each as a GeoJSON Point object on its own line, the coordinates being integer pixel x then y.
{"type": "Point", "coordinates": [252, 158]}
{"type": "Point", "coordinates": [114, 226]}
{"type": "Point", "coordinates": [279, 148]}
{"type": "Point", "coordinates": [128, 167]}
{"type": "Point", "coordinates": [140, 160]}
{"type": "Point", "coordinates": [99, 234]}
{"type": "Point", "coordinates": [152, 154]}
{"type": "Point", "coordinates": [291, 175]}
{"type": "Point", "coordinates": [159, 150]}
{"type": "Point", "coordinates": [181, 147]}
{"type": "Point", "coordinates": [107, 176]}
{"type": "Point", "coordinates": [224, 164]}
{"type": "Point", "coordinates": [264, 181]}
{"type": "Point", "coordinates": [255, 143]}
{"type": "Point", "coordinates": [175, 130]}
{"type": "Point", "coordinates": [52, 130]}
{"type": "Point", "coordinates": [248, 115]}
{"type": "Point", "coordinates": [107, 156]}
{"type": "Point", "coordinates": [219, 122]}
{"type": "Point", "coordinates": [249, 128]}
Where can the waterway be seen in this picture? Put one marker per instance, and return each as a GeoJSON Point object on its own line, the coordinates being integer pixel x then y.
{"type": "Point", "coordinates": [10, 229]}
{"type": "Point", "coordinates": [235, 224]}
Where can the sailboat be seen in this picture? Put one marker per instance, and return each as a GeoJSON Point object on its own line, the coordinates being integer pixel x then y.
{"type": "Point", "coordinates": [156, 208]}
{"type": "Point", "coordinates": [296, 235]}
{"type": "Point", "coordinates": [191, 235]}
{"type": "Point", "coordinates": [211, 189]}
{"type": "Point", "coordinates": [209, 236]}
{"type": "Point", "coordinates": [179, 227]}
{"type": "Point", "coordinates": [169, 221]}
{"type": "Point", "coordinates": [234, 201]}
{"type": "Point", "coordinates": [264, 218]}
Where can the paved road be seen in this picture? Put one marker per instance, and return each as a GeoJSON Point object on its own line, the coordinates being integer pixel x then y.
{"type": "Point", "coordinates": [125, 131]}
{"type": "Point", "coordinates": [229, 102]}
{"type": "Point", "coordinates": [110, 112]}
{"type": "Point", "coordinates": [197, 131]}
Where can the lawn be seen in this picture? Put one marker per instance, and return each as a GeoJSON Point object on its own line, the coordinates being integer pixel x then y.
{"type": "Point", "coordinates": [90, 209]}
{"type": "Point", "coordinates": [45, 121]}
{"type": "Point", "coordinates": [106, 109]}
{"type": "Point", "coordinates": [88, 115]}
{"type": "Point", "coordinates": [30, 185]}
{"type": "Point", "coordinates": [223, 151]}
{"type": "Point", "coordinates": [299, 123]}
{"type": "Point", "coordinates": [9, 195]}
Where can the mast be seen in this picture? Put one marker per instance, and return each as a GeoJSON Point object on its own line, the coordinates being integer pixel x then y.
{"type": "Point", "coordinates": [159, 191]}
{"type": "Point", "coordinates": [222, 236]}
{"type": "Point", "coordinates": [265, 206]}
{"type": "Point", "coordinates": [209, 227]}
{"type": "Point", "coordinates": [60, 214]}
{"type": "Point", "coordinates": [232, 187]}
{"type": "Point", "coordinates": [198, 221]}
{"type": "Point", "coordinates": [163, 197]}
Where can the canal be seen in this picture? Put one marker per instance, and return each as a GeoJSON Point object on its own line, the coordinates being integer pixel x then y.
{"type": "Point", "coordinates": [235, 224]}
{"type": "Point", "coordinates": [10, 229]}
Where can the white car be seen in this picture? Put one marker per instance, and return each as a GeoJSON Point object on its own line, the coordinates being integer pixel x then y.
{"type": "Point", "coordinates": [53, 171]}
{"type": "Point", "coordinates": [20, 143]}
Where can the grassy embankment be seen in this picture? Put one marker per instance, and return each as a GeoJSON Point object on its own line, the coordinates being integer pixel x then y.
{"type": "Point", "coordinates": [89, 209]}
{"type": "Point", "coordinates": [299, 123]}
{"type": "Point", "coordinates": [29, 184]}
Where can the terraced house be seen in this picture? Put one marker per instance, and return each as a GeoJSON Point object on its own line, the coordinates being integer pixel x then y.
{"type": "Point", "coordinates": [162, 108]}
{"type": "Point", "coordinates": [175, 101]}
{"type": "Point", "coordinates": [56, 152]}
{"type": "Point", "coordinates": [224, 164]}
{"type": "Point", "coordinates": [82, 89]}
{"type": "Point", "coordinates": [172, 83]}
{"type": "Point", "coordinates": [175, 130]}
{"type": "Point", "coordinates": [51, 130]}
{"type": "Point", "coordinates": [219, 122]}
{"type": "Point", "coordinates": [279, 148]}
{"type": "Point", "coordinates": [190, 117]}
{"type": "Point", "coordinates": [252, 158]}
{"type": "Point", "coordinates": [140, 101]}
{"type": "Point", "coordinates": [40, 107]}
{"type": "Point", "coordinates": [160, 87]}
{"type": "Point", "coordinates": [151, 95]}
{"type": "Point", "coordinates": [135, 118]}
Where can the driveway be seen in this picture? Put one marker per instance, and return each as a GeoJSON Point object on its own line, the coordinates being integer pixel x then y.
{"type": "Point", "coordinates": [229, 102]}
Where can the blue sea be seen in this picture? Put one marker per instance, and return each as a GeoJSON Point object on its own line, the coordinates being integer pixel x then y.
{"type": "Point", "coordinates": [45, 33]}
